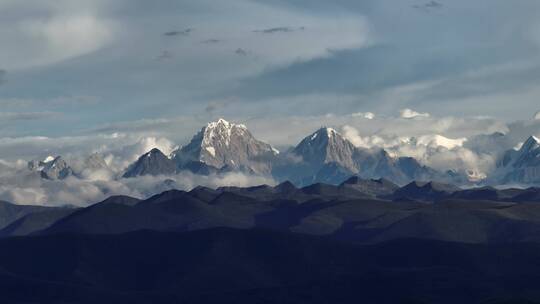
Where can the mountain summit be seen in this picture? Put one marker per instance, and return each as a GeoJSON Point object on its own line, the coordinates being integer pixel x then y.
{"type": "Point", "coordinates": [523, 165]}
{"type": "Point", "coordinates": [529, 152]}
{"type": "Point", "coordinates": [326, 146]}
{"type": "Point", "coordinates": [151, 163]}
{"type": "Point", "coordinates": [52, 168]}
{"type": "Point", "coordinates": [329, 157]}
{"type": "Point", "coordinates": [222, 144]}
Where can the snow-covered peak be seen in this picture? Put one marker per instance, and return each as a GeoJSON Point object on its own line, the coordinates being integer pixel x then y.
{"type": "Point", "coordinates": [323, 133]}
{"type": "Point", "coordinates": [39, 165]}
{"type": "Point", "coordinates": [326, 145]}
{"type": "Point", "coordinates": [154, 162]}
{"type": "Point", "coordinates": [153, 152]}
{"type": "Point", "coordinates": [532, 143]}
{"type": "Point", "coordinates": [224, 124]}
{"type": "Point", "coordinates": [519, 165]}
{"type": "Point", "coordinates": [220, 132]}
{"type": "Point", "coordinates": [219, 122]}
{"type": "Point", "coordinates": [222, 143]}
{"type": "Point", "coordinates": [55, 169]}
{"type": "Point", "coordinates": [48, 159]}
{"type": "Point", "coordinates": [330, 132]}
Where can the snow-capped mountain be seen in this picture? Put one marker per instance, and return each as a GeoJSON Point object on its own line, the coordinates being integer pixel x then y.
{"type": "Point", "coordinates": [225, 145]}
{"type": "Point", "coordinates": [38, 165]}
{"type": "Point", "coordinates": [323, 156]}
{"type": "Point", "coordinates": [53, 168]}
{"type": "Point", "coordinates": [326, 156]}
{"type": "Point", "coordinates": [523, 165]}
{"type": "Point", "coordinates": [326, 146]}
{"type": "Point", "coordinates": [152, 163]}
{"type": "Point", "coordinates": [94, 162]}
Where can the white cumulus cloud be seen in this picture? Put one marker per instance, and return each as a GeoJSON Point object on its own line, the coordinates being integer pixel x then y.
{"type": "Point", "coordinates": [408, 114]}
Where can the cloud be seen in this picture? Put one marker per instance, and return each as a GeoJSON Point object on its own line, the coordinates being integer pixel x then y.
{"type": "Point", "coordinates": [353, 56]}
{"type": "Point", "coordinates": [366, 115]}
{"type": "Point", "coordinates": [184, 32]}
{"type": "Point", "coordinates": [122, 60]}
{"type": "Point", "coordinates": [283, 29]}
{"type": "Point", "coordinates": [537, 115]}
{"type": "Point", "coordinates": [25, 116]}
{"type": "Point", "coordinates": [435, 151]}
{"type": "Point", "coordinates": [241, 52]}
{"type": "Point", "coordinates": [280, 130]}
{"type": "Point", "coordinates": [431, 5]}
{"type": "Point", "coordinates": [408, 114]}
{"type": "Point", "coordinates": [464, 144]}
{"type": "Point", "coordinates": [50, 34]}
{"type": "Point", "coordinates": [21, 186]}
{"type": "Point", "coordinates": [434, 4]}
{"type": "Point", "coordinates": [211, 41]}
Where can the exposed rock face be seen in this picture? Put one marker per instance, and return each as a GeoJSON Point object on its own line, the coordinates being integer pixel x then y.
{"type": "Point", "coordinates": [222, 144]}
{"type": "Point", "coordinates": [522, 166]}
{"type": "Point", "coordinates": [152, 163]}
{"type": "Point", "coordinates": [327, 146]}
{"type": "Point", "coordinates": [330, 158]}
{"type": "Point", "coordinates": [38, 165]}
{"type": "Point", "coordinates": [56, 169]}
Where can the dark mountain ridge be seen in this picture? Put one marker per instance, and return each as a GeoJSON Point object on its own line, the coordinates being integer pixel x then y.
{"type": "Point", "coordinates": [359, 211]}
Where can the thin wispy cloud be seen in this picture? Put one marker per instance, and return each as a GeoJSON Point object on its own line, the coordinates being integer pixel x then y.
{"type": "Point", "coordinates": [185, 32]}
{"type": "Point", "coordinates": [241, 52]}
{"type": "Point", "coordinates": [211, 41]}
{"type": "Point", "coordinates": [25, 116]}
{"type": "Point", "coordinates": [283, 29]}
{"type": "Point", "coordinates": [431, 5]}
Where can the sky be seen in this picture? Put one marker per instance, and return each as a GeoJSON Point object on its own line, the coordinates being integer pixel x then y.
{"type": "Point", "coordinates": [122, 77]}
{"type": "Point", "coordinates": [73, 72]}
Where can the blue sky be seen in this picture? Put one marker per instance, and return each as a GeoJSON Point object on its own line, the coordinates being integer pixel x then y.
{"type": "Point", "coordinates": [72, 68]}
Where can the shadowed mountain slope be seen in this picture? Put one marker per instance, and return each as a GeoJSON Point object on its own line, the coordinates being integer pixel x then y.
{"type": "Point", "coordinates": [255, 266]}
{"type": "Point", "coordinates": [345, 212]}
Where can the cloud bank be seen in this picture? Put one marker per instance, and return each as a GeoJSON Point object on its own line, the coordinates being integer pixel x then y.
{"type": "Point", "coordinates": [469, 145]}
{"type": "Point", "coordinates": [20, 186]}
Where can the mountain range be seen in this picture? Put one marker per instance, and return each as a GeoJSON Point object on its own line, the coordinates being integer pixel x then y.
{"type": "Point", "coordinates": [357, 210]}
{"type": "Point", "coordinates": [364, 239]}
{"type": "Point", "coordinates": [324, 156]}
